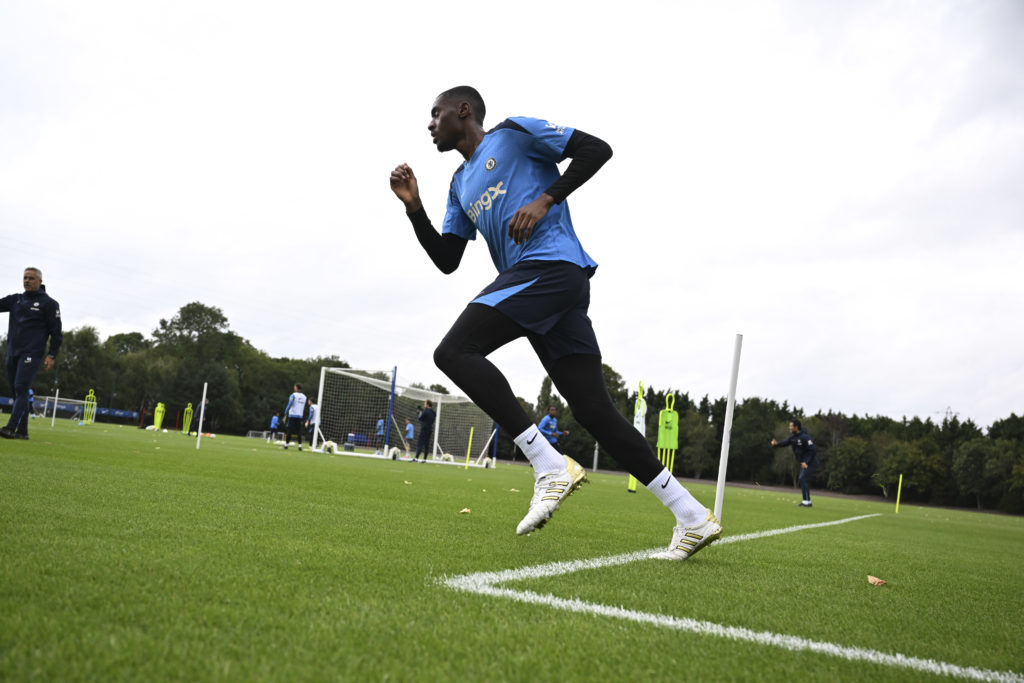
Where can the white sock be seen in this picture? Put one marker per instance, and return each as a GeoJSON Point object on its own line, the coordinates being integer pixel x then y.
{"type": "Point", "coordinates": [681, 502]}
{"type": "Point", "coordinates": [541, 454]}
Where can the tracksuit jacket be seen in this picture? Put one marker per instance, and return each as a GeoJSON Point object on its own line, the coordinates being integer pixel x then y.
{"type": "Point", "coordinates": [803, 447]}
{"type": "Point", "coordinates": [33, 318]}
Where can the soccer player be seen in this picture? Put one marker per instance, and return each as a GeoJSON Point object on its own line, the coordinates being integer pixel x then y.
{"type": "Point", "coordinates": [805, 452]}
{"type": "Point", "coordinates": [34, 319]}
{"type": "Point", "coordinates": [274, 423]}
{"type": "Point", "coordinates": [312, 420]}
{"type": "Point", "coordinates": [378, 439]}
{"type": "Point", "coordinates": [426, 416]}
{"type": "Point", "coordinates": [549, 428]}
{"type": "Point", "coordinates": [509, 190]}
{"type": "Point", "coordinates": [293, 416]}
{"type": "Point", "coordinates": [410, 431]}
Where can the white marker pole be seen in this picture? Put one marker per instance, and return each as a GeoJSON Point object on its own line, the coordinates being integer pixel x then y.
{"type": "Point", "coordinates": [56, 398]}
{"type": "Point", "coordinates": [202, 412]}
{"type": "Point", "coordinates": [723, 460]}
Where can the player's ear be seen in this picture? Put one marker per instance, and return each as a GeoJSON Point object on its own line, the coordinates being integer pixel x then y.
{"type": "Point", "coordinates": [464, 110]}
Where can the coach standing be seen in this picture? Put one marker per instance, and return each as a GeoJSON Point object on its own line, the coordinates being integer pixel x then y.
{"type": "Point", "coordinates": [806, 454]}
{"type": "Point", "coordinates": [34, 319]}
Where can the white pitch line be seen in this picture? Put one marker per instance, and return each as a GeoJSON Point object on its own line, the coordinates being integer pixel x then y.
{"type": "Point", "coordinates": [486, 583]}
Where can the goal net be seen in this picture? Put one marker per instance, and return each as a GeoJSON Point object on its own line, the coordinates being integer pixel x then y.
{"type": "Point", "coordinates": [53, 406]}
{"type": "Point", "coordinates": [367, 414]}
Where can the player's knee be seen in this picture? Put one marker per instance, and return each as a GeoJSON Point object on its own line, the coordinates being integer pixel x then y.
{"type": "Point", "coordinates": [446, 356]}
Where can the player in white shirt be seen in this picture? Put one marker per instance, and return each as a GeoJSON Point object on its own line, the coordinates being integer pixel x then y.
{"type": "Point", "coordinates": [294, 411]}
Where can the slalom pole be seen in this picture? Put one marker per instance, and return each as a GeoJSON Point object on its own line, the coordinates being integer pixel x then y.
{"type": "Point", "coordinates": [469, 448]}
{"type": "Point", "coordinates": [56, 400]}
{"type": "Point", "coordinates": [723, 460]}
{"type": "Point", "coordinates": [899, 490]}
{"type": "Point", "coordinates": [202, 413]}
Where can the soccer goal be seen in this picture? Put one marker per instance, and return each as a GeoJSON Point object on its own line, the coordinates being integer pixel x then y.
{"type": "Point", "coordinates": [54, 407]}
{"type": "Point", "coordinates": [366, 413]}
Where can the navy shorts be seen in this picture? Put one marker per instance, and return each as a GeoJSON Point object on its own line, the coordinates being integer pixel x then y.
{"type": "Point", "coordinates": [550, 300]}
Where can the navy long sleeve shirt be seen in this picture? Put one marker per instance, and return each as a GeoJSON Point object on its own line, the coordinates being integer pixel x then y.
{"type": "Point", "coordinates": [803, 446]}
{"type": "Point", "coordinates": [34, 318]}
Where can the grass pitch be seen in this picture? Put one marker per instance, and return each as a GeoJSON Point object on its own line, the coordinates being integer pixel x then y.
{"type": "Point", "coordinates": [130, 555]}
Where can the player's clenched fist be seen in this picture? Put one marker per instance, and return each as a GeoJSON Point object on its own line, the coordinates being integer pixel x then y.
{"type": "Point", "coordinates": [405, 187]}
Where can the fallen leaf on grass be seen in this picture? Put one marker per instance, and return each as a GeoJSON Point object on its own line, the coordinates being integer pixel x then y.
{"type": "Point", "coordinates": [406, 482]}
{"type": "Point", "coordinates": [514, 490]}
{"type": "Point", "coordinates": [465, 511]}
{"type": "Point", "coordinates": [875, 581]}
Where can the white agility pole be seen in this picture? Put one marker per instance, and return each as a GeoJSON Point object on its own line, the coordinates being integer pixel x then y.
{"type": "Point", "coordinates": [723, 460]}
{"type": "Point", "coordinates": [202, 413]}
{"type": "Point", "coordinates": [56, 399]}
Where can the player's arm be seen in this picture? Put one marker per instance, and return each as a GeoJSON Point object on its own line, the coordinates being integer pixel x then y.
{"type": "Point", "coordinates": [7, 302]}
{"type": "Point", "coordinates": [444, 250]}
{"type": "Point", "coordinates": [56, 334]}
{"type": "Point", "coordinates": [588, 154]}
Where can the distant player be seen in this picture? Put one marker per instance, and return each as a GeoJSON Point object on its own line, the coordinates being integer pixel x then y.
{"type": "Point", "coordinates": [313, 420]}
{"type": "Point", "coordinates": [275, 422]}
{"type": "Point", "coordinates": [806, 454]}
{"type": "Point", "coordinates": [410, 431]}
{"type": "Point", "coordinates": [549, 428]}
{"type": "Point", "coordinates": [426, 416]}
{"type": "Point", "coordinates": [508, 189]}
{"type": "Point", "coordinates": [293, 416]}
{"type": "Point", "coordinates": [378, 439]}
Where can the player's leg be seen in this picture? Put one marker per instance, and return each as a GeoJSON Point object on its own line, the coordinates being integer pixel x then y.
{"type": "Point", "coordinates": [21, 371]}
{"type": "Point", "coordinates": [462, 356]}
{"type": "Point", "coordinates": [805, 483]}
{"type": "Point", "coordinates": [580, 381]}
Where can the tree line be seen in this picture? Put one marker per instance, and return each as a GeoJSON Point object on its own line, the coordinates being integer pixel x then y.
{"type": "Point", "coordinates": [951, 462]}
{"type": "Point", "coordinates": [131, 371]}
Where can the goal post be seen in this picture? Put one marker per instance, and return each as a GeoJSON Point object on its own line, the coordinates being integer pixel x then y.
{"type": "Point", "coordinates": [366, 413]}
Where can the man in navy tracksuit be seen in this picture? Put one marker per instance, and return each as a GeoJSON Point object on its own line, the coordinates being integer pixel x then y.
{"type": "Point", "coordinates": [806, 452]}
{"type": "Point", "coordinates": [34, 319]}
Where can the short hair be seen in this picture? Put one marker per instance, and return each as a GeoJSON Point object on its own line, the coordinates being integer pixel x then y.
{"type": "Point", "coordinates": [466, 93]}
{"type": "Point", "coordinates": [298, 386]}
{"type": "Point", "coordinates": [430, 403]}
{"type": "Point", "coordinates": [37, 271]}
{"type": "Point", "coordinates": [796, 423]}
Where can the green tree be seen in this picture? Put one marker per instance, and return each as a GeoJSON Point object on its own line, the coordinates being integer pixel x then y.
{"type": "Point", "coordinates": [190, 323]}
{"type": "Point", "coordinates": [920, 463]}
{"type": "Point", "coordinates": [852, 464]}
{"type": "Point", "coordinates": [82, 365]}
{"type": "Point", "coordinates": [698, 444]}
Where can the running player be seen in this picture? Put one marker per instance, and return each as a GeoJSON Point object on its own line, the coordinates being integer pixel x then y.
{"type": "Point", "coordinates": [509, 190]}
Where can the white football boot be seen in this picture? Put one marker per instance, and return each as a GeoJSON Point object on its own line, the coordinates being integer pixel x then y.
{"type": "Point", "coordinates": [548, 493]}
{"type": "Point", "coordinates": [687, 540]}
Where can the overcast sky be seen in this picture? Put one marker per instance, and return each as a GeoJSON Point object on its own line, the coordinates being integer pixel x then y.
{"type": "Point", "coordinates": [841, 182]}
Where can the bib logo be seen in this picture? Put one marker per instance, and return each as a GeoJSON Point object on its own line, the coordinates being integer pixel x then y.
{"type": "Point", "coordinates": [558, 129]}
{"type": "Point", "coordinates": [485, 202]}
{"type": "Point", "coordinates": [490, 164]}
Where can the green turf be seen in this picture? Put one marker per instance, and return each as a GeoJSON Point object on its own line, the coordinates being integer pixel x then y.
{"type": "Point", "coordinates": [130, 555]}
